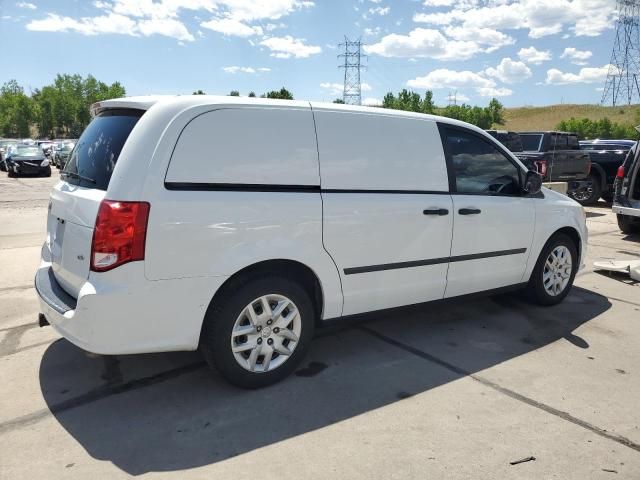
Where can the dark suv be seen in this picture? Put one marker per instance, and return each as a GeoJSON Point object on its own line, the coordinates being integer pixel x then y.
{"type": "Point", "coordinates": [626, 193]}
{"type": "Point", "coordinates": [606, 157]}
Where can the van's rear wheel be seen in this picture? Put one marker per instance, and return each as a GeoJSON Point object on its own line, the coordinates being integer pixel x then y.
{"type": "Point", "coordinates": [259, 333]}
{"type": "Point", "coordinates": [555, 270]}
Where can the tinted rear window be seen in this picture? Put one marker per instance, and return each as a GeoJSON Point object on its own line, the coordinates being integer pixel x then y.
{"type": "Point", "coordinates": [96, 153]}
{"type": "Point", "coordinates": [530, 142]}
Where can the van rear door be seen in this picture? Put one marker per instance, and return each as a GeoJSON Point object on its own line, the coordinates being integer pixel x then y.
{"type": "Point", "coordinates": [74, 202]}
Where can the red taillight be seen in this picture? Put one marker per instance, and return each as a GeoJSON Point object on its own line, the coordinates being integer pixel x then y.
{"type": "Point", "coordinates": [119, 235]}
{"type": "Point", "coordinates": [620, 173]}
{"type": "Point", "coordinates": [541, 166]}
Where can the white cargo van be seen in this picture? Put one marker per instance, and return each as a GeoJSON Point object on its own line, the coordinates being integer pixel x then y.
{"type": "Point", "coordinates": [236, 225]}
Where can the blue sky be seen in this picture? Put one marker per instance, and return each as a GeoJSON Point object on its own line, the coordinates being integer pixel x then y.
{"type": "Point", "coordinates": [525, 52]}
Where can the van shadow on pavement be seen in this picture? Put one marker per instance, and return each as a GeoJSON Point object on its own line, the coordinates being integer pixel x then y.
{"type": "Point", "coordinates": [168, 412]}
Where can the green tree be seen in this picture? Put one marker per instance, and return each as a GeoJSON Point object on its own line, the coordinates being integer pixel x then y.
{"type": "Point", "coordinates": [496, 110]}
{"type": "Point", "coordinates": [16, 110]}
{"type": "Point", "coordinates": [198, 92]}
{"type": "Point", "coordinates": [338, 100]}
{"type": "Point", "coordinates": [252, 94]}
{"type": "Point", "coordinates": [234, 93]}
{"type": "Point", "coordinates": [427, 104]}
{"type": "Point", "coordinates": [282, 94]}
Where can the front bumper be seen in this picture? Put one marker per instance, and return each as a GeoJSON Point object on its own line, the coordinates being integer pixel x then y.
{"type": "Point", "coordinates": [121, 312]}
{"type": "Point", "coordinates": [24, 168]}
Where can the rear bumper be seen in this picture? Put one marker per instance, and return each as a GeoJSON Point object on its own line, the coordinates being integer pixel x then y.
{"type": "Point", "coordinates": [630, 211]}
{"type": "Point", "coordinates": [121, 312]}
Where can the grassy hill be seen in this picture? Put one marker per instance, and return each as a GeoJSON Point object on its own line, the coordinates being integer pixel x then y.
{"type": "Point", "coordinates": [546, 118]}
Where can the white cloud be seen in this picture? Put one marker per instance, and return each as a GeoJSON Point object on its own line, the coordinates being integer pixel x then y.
{"type": "Point", "coordinates": [332, 88]}
{"type": "Point", "coordinates": [444, 78]}
{"type": "Point", "coordinates": [287, 46]}
{"type": "Point", "coordinates": [27, 5]}
{"type": "Point", "coordinates": [493, 39]}
{"type": "Point", "coordinates": [337, 88]}
{"type": "Point", "coordinates": [372, 32]}
{"type": "Point", "coordinates": [539, 17]}
{"type": "Point", "coordinates": [371, 102]}
{"type": "Point", "coordinates": [112, 23]}
{"type": "Point", "coordinates": [534, 56]}
{"type": "Point", "coordinates": [231, 27]}
{"type": "Point", "coordinates": [423, 43]}
{"type": "Point", "coordinates": [379, 11]}
{"type": "Point", "coordinates": [451, 43]}
{"type": "Point", "coordinates": [494, 92]}
{"type": "Point", "coordinates": [169, 27]}
{"type": "Point", "coordinates": [585, 75]}
{"type": "Point", "coordinates": [509, 71]}
{"type": "Point", "coordinates": [162, 17]}
{"type": "Point", "coordinates": [251, 70]}
{"type": "Point", "coordinates": [578, 57]}
{"type": "Point", "coordinates": [452, 79]}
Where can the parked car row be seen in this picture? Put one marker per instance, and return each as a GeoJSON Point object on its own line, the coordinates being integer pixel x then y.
{"type": "Point", "coordinates": [33, 157]}
{"type": "Point", "coordinates": [588, 167]}
{"type": "Point", "coordinates": [24, 159]}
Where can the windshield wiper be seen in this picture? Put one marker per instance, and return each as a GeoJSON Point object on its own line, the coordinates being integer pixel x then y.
{"type": "Point", "coordinates": [78, 176]}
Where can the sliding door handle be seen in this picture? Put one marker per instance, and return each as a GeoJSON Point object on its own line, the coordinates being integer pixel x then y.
{"type": "Point", "coordinates": [436, 211]}
{"type": "Point", "coordinates": [469, 211]}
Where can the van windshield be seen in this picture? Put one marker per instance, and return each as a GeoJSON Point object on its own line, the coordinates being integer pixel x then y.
{"type": "Point", "coordinates": [95, 155]}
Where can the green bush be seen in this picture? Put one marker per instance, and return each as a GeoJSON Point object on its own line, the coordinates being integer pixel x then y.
{"type": "Point", "coordinates": [587, 129]}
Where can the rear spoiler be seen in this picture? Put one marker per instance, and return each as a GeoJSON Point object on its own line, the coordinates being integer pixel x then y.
{"type": "Point", "coordinates": [137, 103]}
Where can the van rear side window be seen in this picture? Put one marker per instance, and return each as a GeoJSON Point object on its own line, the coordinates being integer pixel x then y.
{"type": "Point", "coordinates": [94, 157]}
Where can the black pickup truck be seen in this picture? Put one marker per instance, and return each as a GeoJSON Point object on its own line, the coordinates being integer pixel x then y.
{"type": "Point", "coordinates": [558, 158]}
{"type": "Point", "coordinates": [606, 157]}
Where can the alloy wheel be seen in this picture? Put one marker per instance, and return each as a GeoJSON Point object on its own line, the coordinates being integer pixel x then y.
{"type": "Point", "coordinates": [266, 333]}
{"type": "Point", "coordinates": [557, 270]}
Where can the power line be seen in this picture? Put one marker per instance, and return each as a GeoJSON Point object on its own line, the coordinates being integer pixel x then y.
{"type": "Point", "coordinates": [622, 85]}
{"type": "Point", "coordinates": [353, 56]}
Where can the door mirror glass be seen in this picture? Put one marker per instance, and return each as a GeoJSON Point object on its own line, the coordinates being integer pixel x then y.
{"type": "Point", "coordinates": [532, 182]}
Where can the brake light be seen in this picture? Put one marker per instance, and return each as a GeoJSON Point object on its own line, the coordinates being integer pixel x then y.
{"type": "Point", "coordinates": [541, 166]}
{"type": "Point", "coordinates": [119, 235]}
{"type": "Point", "coordinates": [620, 173]}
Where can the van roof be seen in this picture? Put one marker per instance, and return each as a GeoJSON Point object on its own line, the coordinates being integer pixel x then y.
{"type": "Point", "coordinates": [180, 102]}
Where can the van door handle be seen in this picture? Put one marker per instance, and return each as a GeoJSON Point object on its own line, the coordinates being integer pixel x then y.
{"type": "Point", "coordinates": [436, 211]}
{"type": "Point", "coordinates": [469, 211]}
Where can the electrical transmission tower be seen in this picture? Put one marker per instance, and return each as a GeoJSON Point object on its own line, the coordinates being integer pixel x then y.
{"type": "Point", "coordinates": [622, 79]}
{"type": "Point", "coordinates": [352, 93]}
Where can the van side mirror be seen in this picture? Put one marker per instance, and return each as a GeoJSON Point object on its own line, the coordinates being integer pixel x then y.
{"type": "Point", "coordinates": [532, 182]}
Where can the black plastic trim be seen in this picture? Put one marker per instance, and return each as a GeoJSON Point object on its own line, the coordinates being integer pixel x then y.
{"type": "Point", "coordinates": [399, 192]}
{"type": "Point", "coordinates": [431, 261]}
{"type": "Point", "coordinates": [52, 293]}
{"type": "Point", "coordinates": [258, 187]}
{"type": "Point", "coordinates": [240, 187]}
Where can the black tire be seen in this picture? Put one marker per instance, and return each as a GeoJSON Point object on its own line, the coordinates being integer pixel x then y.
{"type": "Point", "coordinates": [11, 174]}
{"type": "Point", "coordinates": [608, 195]}
{"type": "Point", "coordinates": [46, 172]}
{"type": "Point", "coordinates": [215, 339]}
{"type": "Point", "coordinates": [596, 191]}
{"type": "Point", "coordinates": [536, 290]}
{"type": "Point", "coordinates": [3, 167]}
{"type": "Point", "coordinates": [628, 224]}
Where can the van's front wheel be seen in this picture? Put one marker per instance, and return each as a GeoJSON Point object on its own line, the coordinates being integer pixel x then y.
{"type": "Point", "coordinates": [555, 270]}
{"type": "Point", "coordinates": [259, 333]}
